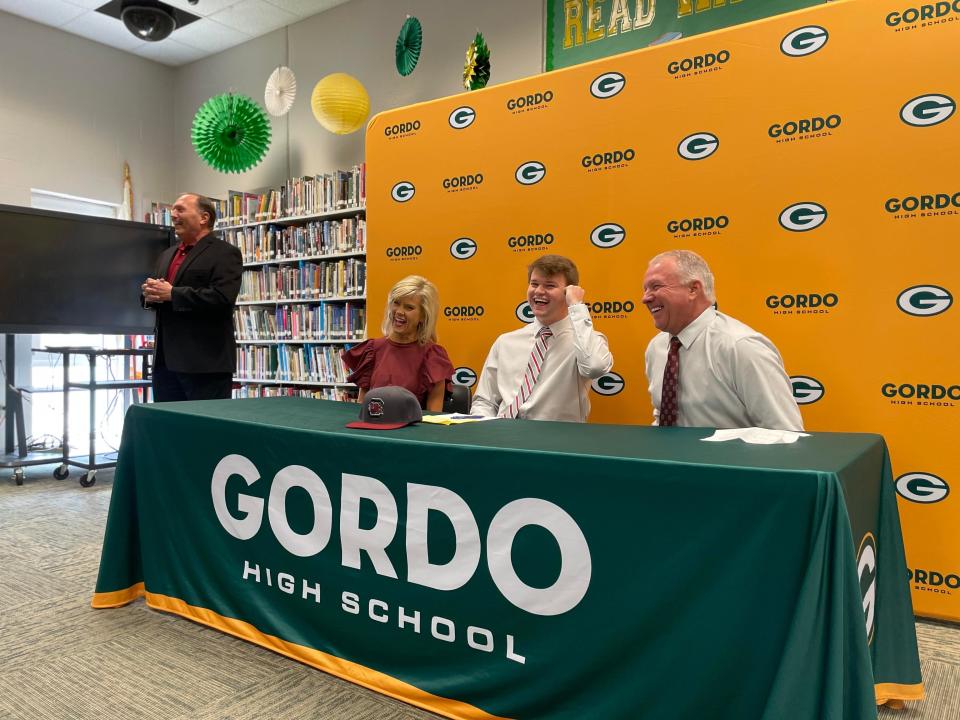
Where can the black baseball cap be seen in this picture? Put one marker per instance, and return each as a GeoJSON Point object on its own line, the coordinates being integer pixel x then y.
{"type": "Point", "coordinates": [388, 408]}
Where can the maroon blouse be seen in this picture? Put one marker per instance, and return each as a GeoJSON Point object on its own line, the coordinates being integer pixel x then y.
{"type": "Point", "coordinates": [381, 361]}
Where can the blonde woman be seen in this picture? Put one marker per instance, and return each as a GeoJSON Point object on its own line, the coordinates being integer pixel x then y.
{"type": "Point", "coordinates": [408, 355]}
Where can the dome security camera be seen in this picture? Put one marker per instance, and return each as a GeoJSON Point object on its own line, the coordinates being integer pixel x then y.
{"type": "Point", "coordinates": [147, 20]}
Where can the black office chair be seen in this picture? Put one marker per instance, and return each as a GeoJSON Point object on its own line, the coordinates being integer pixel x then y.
{"type": "Point", "coordinates": [456, 399]}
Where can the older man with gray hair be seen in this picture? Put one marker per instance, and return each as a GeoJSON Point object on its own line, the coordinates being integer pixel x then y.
{"type": "Point", "coordinates": [706, 369]}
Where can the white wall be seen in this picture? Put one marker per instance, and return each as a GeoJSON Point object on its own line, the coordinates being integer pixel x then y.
{"type": "Point", "coordinates": [72, 111]}
{"type": "Point", "coordinates": [358, 38]}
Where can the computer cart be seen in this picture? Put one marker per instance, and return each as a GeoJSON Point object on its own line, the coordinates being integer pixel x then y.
{"type": "Point", "coordinates": [92, 385]}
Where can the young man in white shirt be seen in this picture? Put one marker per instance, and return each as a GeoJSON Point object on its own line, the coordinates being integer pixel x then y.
{"type": "Point", "coordinates": [543, 371]}
{"type": "Point", "coordinates": [722, 373]}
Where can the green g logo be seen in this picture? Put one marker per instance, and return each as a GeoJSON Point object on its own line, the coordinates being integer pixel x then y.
{"type": "Point", "coordinates": [609, 384]}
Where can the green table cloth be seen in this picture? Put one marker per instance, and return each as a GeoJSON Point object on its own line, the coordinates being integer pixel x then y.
{"type": "Point", "coordinates": [514, 569]}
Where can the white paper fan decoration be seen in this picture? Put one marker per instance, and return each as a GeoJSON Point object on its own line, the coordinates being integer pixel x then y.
{"type": "Point", "coordinates": [280, 92]}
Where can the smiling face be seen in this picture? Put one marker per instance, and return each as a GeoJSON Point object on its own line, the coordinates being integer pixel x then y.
{"type": "Point", "coordinates": [405, 317]}
{"type": "Point", "coordinates": [189, 223]}
{"type": "Point", "coordinates": [547, 296]}
{"type": "Point", "coordinates": [674, 304]}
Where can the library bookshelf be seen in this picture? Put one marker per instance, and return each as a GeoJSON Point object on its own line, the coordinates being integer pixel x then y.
{"type": "Point", "coordinates": [303, 294]}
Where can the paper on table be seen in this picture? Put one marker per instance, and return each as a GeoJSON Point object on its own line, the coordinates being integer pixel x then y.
{"type": "Point", "coordinates": [757, 436]}
{"type": "Point", "coordinates": [453, 419]}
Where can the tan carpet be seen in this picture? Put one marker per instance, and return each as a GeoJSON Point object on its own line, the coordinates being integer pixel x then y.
{"type": "Point", "coordinates": [61, 659]}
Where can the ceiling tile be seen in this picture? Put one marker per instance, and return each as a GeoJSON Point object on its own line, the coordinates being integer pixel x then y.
{"type": "Point", "coordinates": [169, 52]}
{"type": "Point", "coordinates": [305, 8]}
{"type": "Point", "coordinates": [209, 36]}
{"type": "Point", "coordinates": [204, 8]}
{"type": "Point", "coordinates": [87, 4]}
{"type": "Point", "coordinates": [254, 17]}
{"type": "Point", "coordinates": [50, 12]}
{"type": "Point", "coordinates": [103, 29]}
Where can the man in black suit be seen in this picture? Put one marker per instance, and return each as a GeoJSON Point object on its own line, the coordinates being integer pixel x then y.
{"type": "Point", "coordinates": [193, 290]}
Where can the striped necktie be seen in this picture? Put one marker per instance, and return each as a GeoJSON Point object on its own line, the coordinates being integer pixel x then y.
{"type": "Point", "coordinates": [531, 374]}
{"type": "Point", "coordinates": [669, 402]}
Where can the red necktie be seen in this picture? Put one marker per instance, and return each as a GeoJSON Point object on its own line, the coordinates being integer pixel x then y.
{"type": "Point", "coordinates": [531, 374]}
{"type": "Point", "coordinates": [669, 403]}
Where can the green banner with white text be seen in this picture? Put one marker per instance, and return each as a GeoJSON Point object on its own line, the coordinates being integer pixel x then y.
{"type": "Point", "coordinates": [583, 30]}
{"type": "Point", "coordinates": [526, 570]}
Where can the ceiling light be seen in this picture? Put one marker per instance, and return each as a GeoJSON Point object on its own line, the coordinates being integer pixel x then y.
{"type": "Point", "coordinates": [148, 20]}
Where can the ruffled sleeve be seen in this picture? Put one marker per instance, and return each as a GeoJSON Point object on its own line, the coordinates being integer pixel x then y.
{"type": "Point", "coordinates": [436, 366]}
{"type": "Point", "coordinates": [360, 360]}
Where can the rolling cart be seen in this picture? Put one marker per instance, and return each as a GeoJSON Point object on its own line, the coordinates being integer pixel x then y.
{"type": "Point", "coordinates": [18, 456]}
{"type": "Point", "coordinates": [92, 385]}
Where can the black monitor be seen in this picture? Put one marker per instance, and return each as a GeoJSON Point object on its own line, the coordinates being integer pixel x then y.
{"type": "Point", "coordinates": [66, 273]}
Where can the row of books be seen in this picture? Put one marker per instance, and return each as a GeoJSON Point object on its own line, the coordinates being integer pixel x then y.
{"type": "Point", "coordinates": [291, 363]}
{"type": "Point", "coordinates": [323, 393]}
{"type": "Point", "coordinates": [305, 281]}
{"type": "Point", "coordinates": [272, 242]}
{"type": "Point", "coordinates": [326, 321]}
{"type": "Point", "coordinates": [307, 195]}
{"type": "Point", "coordinates": [160, 214]}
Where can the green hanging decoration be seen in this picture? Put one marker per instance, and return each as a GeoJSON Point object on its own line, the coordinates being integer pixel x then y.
{"type": "Point", "coordinates": [409, 43]}
{"type": "Point", "coordinates": [231, 133]}
{"type": "Point", "coordinates": [476, 71]}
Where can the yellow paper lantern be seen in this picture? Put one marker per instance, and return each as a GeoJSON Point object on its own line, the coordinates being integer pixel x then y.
{"type": "Point", "coordinates": [340, 103]}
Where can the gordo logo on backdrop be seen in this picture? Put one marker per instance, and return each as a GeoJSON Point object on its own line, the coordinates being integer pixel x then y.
{"type": "Point", "coordinates": [914, 206]}
{"type": "Point", "coordinates": [804, 129]}
{"type": "Point", "coordinates": [530, 173]}
{"type": "Point", "coordinates": [524, 312]}
{"type": "Point", "coordinates": [463, 183]}
{"type": "Point", "coordinates": [698, 226]}
{"type": "Point", "coordinates": [465, 376]}
{"type": "Point", "coordinates": [607, 85]}
{"type": "Point", "coordinates": [462, 117]}
{"type": "Point", "coordinates": [463, 248]}
{"type": "Point", "coordinates": [609, 384]}
{"type": "Point", "coordinates": [925, 15]}
{"type": "Point", "coordinates": [611, 309]}
{"type": "Point", "coordinates": [608, 160]}
{"type": "Point", "coordinates": [529, 102]}
{"type": "Point", "coordinates": [928, 110]}
{"type": "Point", "coordinates": [698, 146]}
{"type": "Point", "coordinates": [921, 487]}
{"type": "Point", "coordinates": [402, 130]}
{"type": "Point", "coordinates": [924, 300]}
{"type": "Point", "coordinates": [528, 241]}
{"type": "Point", "coordinates": [404, 252]}
{"type": "Point", "coordinates": [806, 390]}
{"type": "Point", "coordinates": [804, 41]}
{"type": "Point", "coordinates": [607, 235]}
{"type": "Point", "coordinates": [802, 303]}
{"type": "Point", "coordinates": [867, 572]}
{"type": "Point", "coordinates": [264, 505]}
{"type": "Point", "coordinates": [403, 191]}
{"type": "Point", "coordinates": [921, 394]}
{"type": "Point", "coordinates": [463, 313]}
{"type": "Point", "coordinates": [698, 64]}
{"type": "Point", "coordinates": [935, 581]}
{"type": "Point", "coordinates": [802, 217]}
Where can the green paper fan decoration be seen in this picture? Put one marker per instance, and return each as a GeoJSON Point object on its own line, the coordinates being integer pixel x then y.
{"type": "Point", "coordinates": [409, 42]}
{"type": "Point", "coordinates": [476, 71]}
{"type": "Point", "coordinates": [231, 133]}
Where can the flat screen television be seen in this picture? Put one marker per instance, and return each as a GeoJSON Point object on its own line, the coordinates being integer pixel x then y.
{"type": "Point", "coordinates": [62, 273]}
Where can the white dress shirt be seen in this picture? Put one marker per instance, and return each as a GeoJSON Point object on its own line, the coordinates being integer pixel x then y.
{"type": "Point", "coordinates": [731, 376]}
{"type": "Point", "coordinates": [576, 354]}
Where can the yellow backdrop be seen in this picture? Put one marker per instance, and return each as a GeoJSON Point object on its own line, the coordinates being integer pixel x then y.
{"type": "Point", "coordinates": [811, 158]}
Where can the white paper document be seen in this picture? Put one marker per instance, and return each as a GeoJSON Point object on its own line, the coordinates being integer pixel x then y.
{"type": "Point", "coordinates": [757, 436]}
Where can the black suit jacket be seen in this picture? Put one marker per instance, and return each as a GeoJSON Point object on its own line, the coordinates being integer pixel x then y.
{"type": "Point", "coordinates": [194, 331]}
